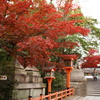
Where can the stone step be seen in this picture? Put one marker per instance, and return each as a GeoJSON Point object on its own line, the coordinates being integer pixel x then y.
{"type": "Point", "coordinates": [93, 93]}
{"type": "Point", "coordinates": [90, 98]}
{"type": "Point", "coordinates": [79, 98]}
{"type": "Point", "coordinates": [72, 98]}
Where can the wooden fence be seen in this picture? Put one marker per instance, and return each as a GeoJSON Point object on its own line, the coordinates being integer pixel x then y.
{"type": "Point", "coordinates": [55, 96]}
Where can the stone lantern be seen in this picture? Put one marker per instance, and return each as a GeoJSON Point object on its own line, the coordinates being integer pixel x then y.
{"type": "Point", "coordinates": [49, 75]}
{"type": "Point", "coordinates": [68, 62]}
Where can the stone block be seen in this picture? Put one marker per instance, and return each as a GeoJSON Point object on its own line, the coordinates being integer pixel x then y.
{"type": "Point", "coordinates": [80, 88]}
{"type": "Point", "coordinates": [21, 94]}
{"type": "Point", "coordinates": [23, 90]}
{"type": "Point", "coordinates": [35, 73]}
{"type": "Point", "coordinates": [20, 72]}
{"type": "Point", "coordinates": [20, 78]}
{"type": "Point", "coordinates": [33, 79]}
{"type": "Point", "coordinates": [30, 83]}
{"type": "Point", "coordinates": [37, 93]}
{"type": "Point", "coordinates": [77, 75]}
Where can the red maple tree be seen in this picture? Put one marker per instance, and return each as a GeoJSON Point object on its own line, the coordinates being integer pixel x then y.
{"type": "Point", "coordinates": [91, 61]}
{"type": "Point", "coordinates": [29, 29]}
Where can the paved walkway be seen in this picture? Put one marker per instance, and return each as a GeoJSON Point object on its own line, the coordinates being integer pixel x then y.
{"type": "Point", "coordinates": [88, 98]}
{"type": "Point", "coordinates": [93, 87]}
{"type": "Point", "coordinates": [93, 90]}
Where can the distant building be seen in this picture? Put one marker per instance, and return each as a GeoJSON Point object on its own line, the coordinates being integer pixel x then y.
{"type": "Point", "coordinates": [90, 70]}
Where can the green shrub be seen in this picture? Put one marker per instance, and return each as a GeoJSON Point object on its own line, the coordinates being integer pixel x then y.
{"type": "Point", "coordinates": [58, 83]}
{"type": "Point", "coordinates": [6, 86]}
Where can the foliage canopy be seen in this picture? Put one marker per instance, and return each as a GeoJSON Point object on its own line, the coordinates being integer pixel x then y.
{"type": "Point", "coordinates": [29, 29]}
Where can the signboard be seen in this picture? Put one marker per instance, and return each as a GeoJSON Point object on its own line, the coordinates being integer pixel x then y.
{"type": "Point", "coordinates": [3, 77]}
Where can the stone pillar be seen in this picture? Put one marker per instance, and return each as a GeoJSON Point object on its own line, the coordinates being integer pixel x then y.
{"type": "Point", "coordinates": [79, 82]}
{"type": "Point", "coordinates": [20, 73]}
{"type": "Point", "coordinates": [29, 85]}
{"type": "Point", "coordinates": [43, 91]}
{"type": "Point", "coordinates": [33, 76]}
{"type": "Point", "coordinates": [31, 92]}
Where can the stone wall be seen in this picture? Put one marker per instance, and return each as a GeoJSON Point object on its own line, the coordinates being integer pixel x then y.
{"type": "Point", "coordinates": [79, 82]}
{"type": "Point", "coordinates": [80, 88]}
{"type": "Point", "coordinates": [29, 81]}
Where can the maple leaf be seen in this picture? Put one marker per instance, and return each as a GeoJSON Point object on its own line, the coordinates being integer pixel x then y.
{"type": "Point", "coordinates": [30, 29]}
{"type": "Point", "coordinates": [91, 60]}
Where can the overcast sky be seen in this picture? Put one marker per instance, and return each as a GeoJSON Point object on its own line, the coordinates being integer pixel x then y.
{"type": "Point", "coordinates": [90, 8]}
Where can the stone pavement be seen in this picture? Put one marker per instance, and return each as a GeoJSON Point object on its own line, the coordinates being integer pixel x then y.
{"type": "Point", "coordinates": [89, 98]}
{"type": "Point", "coordinates": [84, 98]}
{"type": "Point", "coordinates": [93, 91]}
{"type": "Point", "coordinates": [93, 87]}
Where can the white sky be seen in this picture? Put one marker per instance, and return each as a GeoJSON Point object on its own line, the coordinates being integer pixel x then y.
{"type": "Point", "coordinates": [90, 8]}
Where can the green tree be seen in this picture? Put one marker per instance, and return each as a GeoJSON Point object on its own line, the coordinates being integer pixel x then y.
{"type": "Point", "coordinates": [83, 42]}
{"type": "Point", "coordinates": [58, 83]}
{"type": "Point", "coordinates": [6, 68]}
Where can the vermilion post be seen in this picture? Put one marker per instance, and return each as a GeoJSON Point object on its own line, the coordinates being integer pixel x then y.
{"type": "Point", "coordinates": [49, 83]}
{"type": "Point", "coordinates": [68, 71]}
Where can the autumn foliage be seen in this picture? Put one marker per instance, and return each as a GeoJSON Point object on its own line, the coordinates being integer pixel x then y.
{"type": "Point", "coordinates": [30, 30]}
{"type": "Point", "coordinates": [91, 60]}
